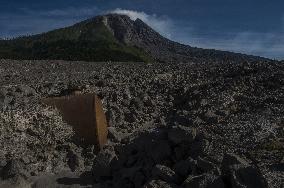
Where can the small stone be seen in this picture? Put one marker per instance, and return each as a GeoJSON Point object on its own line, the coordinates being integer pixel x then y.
{"type": "Point", "coordinates": [211, 117]}
{"type": "Point", "coordinates": [148, 102]}
{"type": "Point", "coordinates": [160, 121]}
{"type": "Point", "coordinates": [113, 134]}
{"type": "Point", "coordinates": [26, 90]}
{"type": "Point", "coordinates": [3, 163]}
{"type": "Point", "coordinates": [130, 117]}
{"type": "Point", "coordinates": [203, 102]}
{"type": "Point", "coordinates": [136, 103]}
{"type": "Point", "coordinates": [100, 83]}
{"type": "Point", "coordinates": [110, 116]}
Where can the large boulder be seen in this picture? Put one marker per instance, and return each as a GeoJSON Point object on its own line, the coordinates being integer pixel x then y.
{"type": "Point", "coordinates": [159, 150]}
{"type": "Point", "coordinates": [185, 167]}
{"type": "Point", "coordinates": [181, 134]}
{"type": "Point", "coordinates": [205, 165]}
{"type": "Point", "coordinates": [102, 164]}
{"type": "Point", "coordinates": [239, 173]}
{"type": "Point", "coordinates": [199, 147]}
{"type": "Point", "coordinates": [159, 184]}
{"type": "Point", "coordinates": [164, 173]}
{"type": "Point", "coordinates": [230, 159]}
{"type": "Point", "coordinates": [203, 181]}
{"type": "Point", "coordinates": [248, 177]}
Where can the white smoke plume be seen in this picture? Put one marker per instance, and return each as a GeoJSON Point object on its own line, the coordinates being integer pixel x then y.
{"type": "Point", "coordinates": [162, 24]}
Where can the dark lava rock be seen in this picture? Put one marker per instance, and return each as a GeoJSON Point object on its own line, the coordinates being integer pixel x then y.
{"type": "Point", "coordinates": [249, 177]}
{"type": "Point", "coordinates": [102, 164]}
{"type": "Point", "coordinates": [130, 117]}
{"type": "Point", "coordinates": [182, 134]}
{"type": "Point", "coordinates": [239, 105]}
{"type": "Point", "coordinates": [205, 165]}
{"type": "Point", "coordinates": [160, 151]}
{"type": "Point", "coordinates": [199, 147]}
{"type": "Point", "coordinates": [185, 167]}
{"type": "Point", "coordinates": [73, 160]}
{"type": "Point", "coordinates": [233, 159]}
{"type": "Point", "coordinates": [238, 173]}
{"type": "Point", "coordinates": [159, 184]}
{"type": "Point", "coordinates": [164, 173]}
{"type": "Point", "coordinates": [203, 181]}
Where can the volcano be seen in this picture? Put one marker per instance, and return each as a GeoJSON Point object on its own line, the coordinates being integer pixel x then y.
{"type": "Point", "coordinates": [111, 37]}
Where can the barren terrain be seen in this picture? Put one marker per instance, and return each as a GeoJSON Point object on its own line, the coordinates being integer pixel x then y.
{"type": "Point", "coordinates": [197, 124]}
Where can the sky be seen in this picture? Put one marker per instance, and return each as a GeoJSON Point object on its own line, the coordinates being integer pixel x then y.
{"type": "Point", "coordinates": [247, 26]}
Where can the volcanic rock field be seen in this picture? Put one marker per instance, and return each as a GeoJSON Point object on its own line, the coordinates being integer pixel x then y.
{"type": "Point", "coordinates": [196, 124]}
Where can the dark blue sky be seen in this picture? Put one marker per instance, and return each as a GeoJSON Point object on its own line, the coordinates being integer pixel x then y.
{"type": "Point", "coordinates": [249, 26]}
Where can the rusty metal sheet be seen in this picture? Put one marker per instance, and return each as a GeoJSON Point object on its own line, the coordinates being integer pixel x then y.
{"type": "Point", "coordinates": [85, 114]}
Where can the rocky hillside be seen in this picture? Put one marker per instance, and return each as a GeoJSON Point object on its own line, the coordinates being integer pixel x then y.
{"type": "Point", "coordinates": [212, 124]}
{"type": "Point", "coordinates": [110, 38]}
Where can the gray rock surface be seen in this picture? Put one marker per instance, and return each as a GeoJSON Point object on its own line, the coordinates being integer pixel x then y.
{"type": "Point", "coordinates": [187, 117]}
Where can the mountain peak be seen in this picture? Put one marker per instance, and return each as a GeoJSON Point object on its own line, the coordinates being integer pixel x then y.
{"type": "Point", "coordinates": [124, 28]}
{"type": "Point", "coordinates": [110, 37]}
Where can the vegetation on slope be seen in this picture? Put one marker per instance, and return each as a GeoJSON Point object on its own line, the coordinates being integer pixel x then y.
{"type": "Point", "coordinates": [88, 41]}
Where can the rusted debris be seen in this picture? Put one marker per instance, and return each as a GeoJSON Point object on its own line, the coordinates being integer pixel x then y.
{"type": "Point", "coordinates": [85, 114]}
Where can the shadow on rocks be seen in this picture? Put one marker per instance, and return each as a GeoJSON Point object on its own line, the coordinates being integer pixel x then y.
{"type": "Point", "coordinates": [85, 179]}
{"type": "Point", "coordinates": [146, 157]}
{"type": "Point", "coordinates": [174, 157]}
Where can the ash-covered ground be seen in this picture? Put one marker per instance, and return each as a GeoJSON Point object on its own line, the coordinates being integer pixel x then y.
{"type": "Point", "coordinates": [208, 124]}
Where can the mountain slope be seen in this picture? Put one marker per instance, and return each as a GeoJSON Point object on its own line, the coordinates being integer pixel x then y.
{"type": "Point", "coordinates": [89, 41]}
{"type": "Point", "coordinates": [110, 37]}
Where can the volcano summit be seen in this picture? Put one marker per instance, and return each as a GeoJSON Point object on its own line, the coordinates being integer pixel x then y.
{"type": "Point", "coordinates": [111, 37]}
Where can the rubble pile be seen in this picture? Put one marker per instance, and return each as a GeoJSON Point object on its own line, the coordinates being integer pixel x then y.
{"type": "Point", "coordinates": [195, 124]}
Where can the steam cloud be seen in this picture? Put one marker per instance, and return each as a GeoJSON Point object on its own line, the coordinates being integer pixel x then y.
{"type": "Point", "coordinates": [161, 24]}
